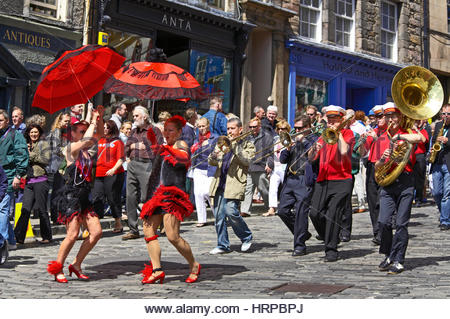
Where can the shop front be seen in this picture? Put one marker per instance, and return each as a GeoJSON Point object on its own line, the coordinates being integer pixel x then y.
{"type": "Point", "coordinates": [321, 76]}
{"type": "Point", "coordinates": [207, 44]}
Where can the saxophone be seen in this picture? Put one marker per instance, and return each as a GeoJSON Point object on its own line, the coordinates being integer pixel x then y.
{"type": "Point", "coordinates": [418, 94]}
{"type": "Point", "coordinates": [437, 146]}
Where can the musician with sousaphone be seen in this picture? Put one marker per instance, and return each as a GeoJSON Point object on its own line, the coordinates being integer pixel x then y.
{"type": "Point", "coordinates": [440, 159]}
{"type": "Point", "coordinates": [417, 95]}
{"type": "Point", "coordinates": [333, 150]}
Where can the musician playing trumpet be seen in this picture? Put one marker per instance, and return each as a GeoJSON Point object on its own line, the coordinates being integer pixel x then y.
{"type": "Point", "coordinates": [334, 181]}
{"type": "Point", "coordinates": [228, 187]}
{"type": "Point", "coordinates": [440, 168]}
{"type": "Point", "coordinates": [397, 196]}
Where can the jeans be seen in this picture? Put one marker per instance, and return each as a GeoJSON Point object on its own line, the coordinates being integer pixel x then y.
{"type": "Point", "coordinates": [227, 210]}
{"type": "Point", "coordinates": [441, 191]}
{"type": "Point", "coordinates": [6, 229]}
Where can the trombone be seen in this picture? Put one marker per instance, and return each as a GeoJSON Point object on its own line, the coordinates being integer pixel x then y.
{"type": "Point", "coordinates": [287, 139]}
{"type": "Point", "coordinates": [331, 136]}
{"type": "Point", "coordinates": [224, 145]}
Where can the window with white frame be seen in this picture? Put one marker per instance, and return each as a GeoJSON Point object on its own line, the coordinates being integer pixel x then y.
{"type": "Point", "coordinates": [310, 17]}
{"type": "Point", "coordinates": [389, 30]}
{"type": "Point", "coordinates": [53, 9]}
{"type": "Point", "coordinates": [344, 13]}
{"type": "Point", "coordinates": [216, 3]}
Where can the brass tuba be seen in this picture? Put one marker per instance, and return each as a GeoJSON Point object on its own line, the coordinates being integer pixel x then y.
{"type": "Point", "coordinates": [418, 94]}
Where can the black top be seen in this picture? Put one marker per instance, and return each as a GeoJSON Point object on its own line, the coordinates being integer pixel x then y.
{"type": "Point", "coordinates": [444, 155]}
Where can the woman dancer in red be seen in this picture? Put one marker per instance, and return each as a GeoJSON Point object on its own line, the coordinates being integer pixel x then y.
{"type": "Point", "coordinates": [73, 203]}
{"type": "Point", "coordinates": [169, 203]}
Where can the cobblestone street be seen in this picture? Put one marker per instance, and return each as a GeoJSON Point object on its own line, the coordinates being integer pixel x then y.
{"type": "Point", "coordinates": [114, 266]}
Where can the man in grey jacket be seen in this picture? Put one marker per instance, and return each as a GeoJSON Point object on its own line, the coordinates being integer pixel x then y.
{"type": "Point", "coordinates": [228, 186]}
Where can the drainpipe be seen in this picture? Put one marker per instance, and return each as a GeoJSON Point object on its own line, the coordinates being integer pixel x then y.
{"type": "Point", "coordinates": [426, 34]}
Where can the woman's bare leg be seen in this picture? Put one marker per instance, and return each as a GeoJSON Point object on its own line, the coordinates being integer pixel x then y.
{"type": "Point", "coordinates": [172, 226]}
{"type": "Point", "coordinates": [95, 233]}
{"type": "Point", "coordinates": [151, 224]}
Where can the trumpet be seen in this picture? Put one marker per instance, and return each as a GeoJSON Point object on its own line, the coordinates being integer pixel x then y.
{"type": "Point", "coordinates": [331, 136]}
{"type": "Point", "coordinates": [223, 144]}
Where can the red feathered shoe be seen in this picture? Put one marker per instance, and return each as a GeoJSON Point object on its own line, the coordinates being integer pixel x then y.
{"type": "Point", "coordinates": [146, 272]}
{"type": "Point", "coordinates": [55, 268]}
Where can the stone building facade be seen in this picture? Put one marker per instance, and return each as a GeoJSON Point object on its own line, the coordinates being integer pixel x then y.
{"type": "Point", "coordinates": [31, 34]}
{"type": "Point", "coordinates": [439, 37]}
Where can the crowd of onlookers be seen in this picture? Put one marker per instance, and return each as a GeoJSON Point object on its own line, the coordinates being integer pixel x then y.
{"type": "Point", "coordinates": [32, 163]}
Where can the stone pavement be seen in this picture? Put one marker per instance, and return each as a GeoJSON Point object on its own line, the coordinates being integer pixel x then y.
{"type": "Point", "coordinates": [114, 266]}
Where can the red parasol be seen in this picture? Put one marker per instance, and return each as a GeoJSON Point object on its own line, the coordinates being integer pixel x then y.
{"type": "Point", "coordinates": [154, 81]}
{"type": "Point", "coordinates": [75, 77]}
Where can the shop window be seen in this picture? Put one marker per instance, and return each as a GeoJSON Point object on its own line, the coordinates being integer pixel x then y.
{"type": "Point", "coordinates": [214, 75]}
{"type": "Point", "coordinates": [311, 92]}
{"type": "Point", "coordinates": [389, 30]}
{"type": "Point", "coordinates": [53, 9]}
{"type": "Point", "coordinates": [310, 19]}
{"type": "Point", "coordinates": [344, 14]}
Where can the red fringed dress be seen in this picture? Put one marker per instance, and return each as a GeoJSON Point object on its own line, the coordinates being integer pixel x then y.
{"type": "Point", "coordinates": [170, 197]}
{"type": "Point", "coordinates": [72, 200]}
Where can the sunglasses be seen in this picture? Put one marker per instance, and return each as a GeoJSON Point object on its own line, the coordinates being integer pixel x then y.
{"type": "Point", "coordinates": [283, 128]}
{"type": "Point", "coordinates": [299, 127]}
{"type": "Point", "coordinates": [252, 126]}
{"type": "Point", "coordinates": [445, 113]}
{"type": "Point", "coordinates": [310, 114]}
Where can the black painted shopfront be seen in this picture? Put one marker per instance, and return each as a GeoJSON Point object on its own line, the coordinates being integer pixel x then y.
{"type": "Point", "coordinates": [209, 45]}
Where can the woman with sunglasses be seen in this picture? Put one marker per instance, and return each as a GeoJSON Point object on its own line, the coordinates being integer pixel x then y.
{"type": "Point", "coordinates": [276, 168]}
{"type": "Point", "coordinates": [74, 206]}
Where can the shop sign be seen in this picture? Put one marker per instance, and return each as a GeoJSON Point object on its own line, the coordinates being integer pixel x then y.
{"type": "Point", "coordinates": [176, 23]}
{"type": "Point", "coordinates": [35, 40]}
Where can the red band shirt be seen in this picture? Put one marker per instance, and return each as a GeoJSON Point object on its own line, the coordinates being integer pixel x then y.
{"type": "Point", "coordinates": [333, 165]}
{"type": "Point", "coordinates": [109, 152]}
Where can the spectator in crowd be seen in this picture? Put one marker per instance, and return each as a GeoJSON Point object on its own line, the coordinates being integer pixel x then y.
{"type": "Point", "coordinates": [269, 123]}
{"type": "Point", "coordinates": [119, 113]}
{"type": "Point", "coordinates": [138, 150]}
{"type": "Point", "coordinates": [217, 120]}
{"type": "Point", "coordinates": [259, 112]}
{"type": "Point", "coordinates": [188, 133]}
{"type": "Point", "coordinates": [258, 169]}
{"type": "Point", "coordinates": [228, 188]}
{"type": "Point", "coordinates": [57, 139]}
{"type": "Point", "coordinates": [14, 159]}
{"type": "Point", "coordinates": [162, 118]}
{"type": "Point", "coordinates": [17, 120]}
{"type": "Point", "coordinates": [125, 131]}
{"type": "Point", "coordinates": [311, 112]}
{"type": "Point", "coordinates": [3, 241]}
{"type": "Point", "coordinates": [37, 187]}
{"type": "Point", "coordinates": [109, 174]}
{"type": "Point", "coordinates": [202, 173]}
{"type": "Point", "coordinates": [76, 112]}
{"type": "Point", "coordinates": [276, 169]}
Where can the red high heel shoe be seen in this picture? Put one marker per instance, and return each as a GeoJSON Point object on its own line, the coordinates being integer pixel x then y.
{"type": "Point", "coordinates": [78, 273]}
{"type": "Point", "coordinates": [55, 268]}
{"type": "Point", "coordinates": [160, 277]}
{"type": "Point", "coordinates": [189, 279]}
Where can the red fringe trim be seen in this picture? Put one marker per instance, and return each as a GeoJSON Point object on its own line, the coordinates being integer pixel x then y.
{"type": "Point", "coordinates": [54, 267]}
{"type": "Point", "coordinates": [172, 160]}
{"type": "Point", "coordinates": [152, 137]}
{"type": "Point", "coordinates": [149, 239]}
{"type": "Point", "coordinates": [171, 199]}
{"type": "Point", "coordinates": [147, 271]}
{"type": "Point", "coordinates": [63, 219]}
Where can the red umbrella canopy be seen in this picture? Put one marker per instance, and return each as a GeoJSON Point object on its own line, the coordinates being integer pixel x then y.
{"type": "Point", "coordinates": [75, 77]}
{"type": "Point", "coordinates": [154, 81]}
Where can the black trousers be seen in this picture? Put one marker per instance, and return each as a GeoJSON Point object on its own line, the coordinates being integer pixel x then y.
{"type": "Point", "coordinates": [34, 198]}
{"type": "Point", "coordinates": [347, 216]}
{"type": "Point", "coordinates": [111, 188]}
{"type": "Point", "coordinates": [373, 197]}
{"type": "Point", "coordinates": [295, 194]}
{"type": "Point", "coordinates": [396, 198]}
{"type": "Point", "coordinates": [328, 204]}
{"type": "Point", "coordinates": [419, 172]}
